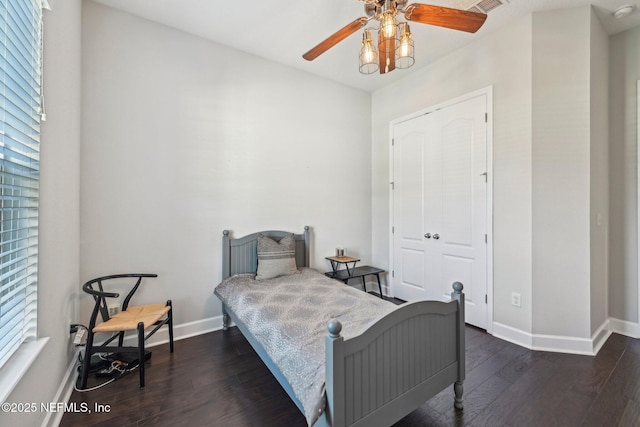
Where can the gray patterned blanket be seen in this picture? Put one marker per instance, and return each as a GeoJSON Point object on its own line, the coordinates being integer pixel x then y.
{"type": "Point", "coordinates": [288, 317]}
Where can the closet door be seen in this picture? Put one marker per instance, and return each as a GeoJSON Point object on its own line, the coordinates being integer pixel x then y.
{"type": "Point", "coordinates": [440, 205]}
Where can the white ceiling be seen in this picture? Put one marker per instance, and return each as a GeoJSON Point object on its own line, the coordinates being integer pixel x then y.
{"type": "Point", "coordinates": [282, 30]}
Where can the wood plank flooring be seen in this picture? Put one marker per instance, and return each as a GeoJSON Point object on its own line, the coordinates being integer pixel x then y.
{"type": "Point", "coordinates": [217, 379]}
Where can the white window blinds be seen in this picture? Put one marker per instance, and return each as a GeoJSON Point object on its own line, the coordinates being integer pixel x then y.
{"type": "Point", "coordinates": [20, 106]}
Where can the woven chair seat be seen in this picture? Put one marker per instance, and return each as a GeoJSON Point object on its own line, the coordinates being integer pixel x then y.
{"type": "Point", "coordinates": [128, 320]}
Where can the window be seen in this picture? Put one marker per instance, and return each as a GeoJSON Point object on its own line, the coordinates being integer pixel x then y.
{"type": "Point", "coordinates": [20, 108]}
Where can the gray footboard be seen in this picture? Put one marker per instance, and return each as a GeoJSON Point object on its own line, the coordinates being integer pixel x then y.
{"type": "Point", "coordinates": [397, 364]}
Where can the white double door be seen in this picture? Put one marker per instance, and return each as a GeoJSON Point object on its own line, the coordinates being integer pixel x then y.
{"type": "Point", "coordinates": [440, 206]}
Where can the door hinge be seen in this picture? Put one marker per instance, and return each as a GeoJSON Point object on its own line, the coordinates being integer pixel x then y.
{"type": "Point", "coordinates": [393, 273]}
{"type": "Point", "coordinates": [393, 230]}
{"type": "Point", "coordinates": [393, 185]}
{"type": "Point", "coordinates": [393, 142]}
{"type": "Point", "coordinates": [485, 238]}
{"type": "Point", "coordinates": [485, 176]}
{"type": "Point", "coordinates": [486, 299]}
{"type": "Point", "coordinates": [486, 117]}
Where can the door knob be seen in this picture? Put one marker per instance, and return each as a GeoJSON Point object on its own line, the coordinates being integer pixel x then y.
{"type": "Point", "coordinates": [436, 236]}
{"type": "Point", "coordinates": [428, 235]}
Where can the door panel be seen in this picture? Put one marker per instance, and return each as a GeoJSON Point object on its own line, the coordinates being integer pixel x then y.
{"type": "Point", "coordinates": [457, 269]}
{"type": "Point", "coordinates": [412, 262]}
{"type": "Point", "coordinates": [409, 210]}
{"type": "Point", "coordinates": [457, 170]}
{"type": "Point", "coordinates": [439, 208]}
{"type": "Point", "coordinates": [412, 188]}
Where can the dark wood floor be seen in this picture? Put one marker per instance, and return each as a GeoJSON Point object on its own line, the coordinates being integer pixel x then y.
{"type": "Point", "coordinates": [217, 379]}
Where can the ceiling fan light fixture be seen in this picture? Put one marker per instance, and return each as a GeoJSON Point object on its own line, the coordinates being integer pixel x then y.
{"type": "Point", "coordinates": [394, 47]}
{"type": "Point", "coordinates": [388, 23]}
{"type": "Point", "coordinates": [368, 55]}
{"type": "Point", "coordinates": [404, 52]}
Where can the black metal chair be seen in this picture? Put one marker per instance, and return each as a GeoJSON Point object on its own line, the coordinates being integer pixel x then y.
{"type": "Point", "coordinates": [135, 318]}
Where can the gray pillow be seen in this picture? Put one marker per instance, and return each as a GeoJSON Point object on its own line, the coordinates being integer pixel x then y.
{"type": "Point", "coordinates": [276, 259]}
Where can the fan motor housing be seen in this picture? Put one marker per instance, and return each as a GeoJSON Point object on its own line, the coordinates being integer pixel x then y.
{"type": "Point", "coordinates": [376, 7]}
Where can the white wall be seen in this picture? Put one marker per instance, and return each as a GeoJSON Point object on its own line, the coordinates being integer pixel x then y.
{"type": "Point", "coordinates": [58, 281]}
{"type": "Point", "coordinates": [623, 256]}
{"type": "Point", "coordinates": [561, 180]}
{"type": "Point", "coordinates": [183, 138]}
{"type": "Point", "coordinates": [599, 171]}
{"type": "Point", "coordinates": [570, 173]}
{"type": "Point", "coordinates": [501, 59]}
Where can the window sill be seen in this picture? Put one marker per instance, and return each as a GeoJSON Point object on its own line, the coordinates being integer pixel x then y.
{"type": "Point", "coordinates": [18, 365]}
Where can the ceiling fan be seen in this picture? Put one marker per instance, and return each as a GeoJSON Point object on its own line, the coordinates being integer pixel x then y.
{"type": "Point", "coordinates": [395, 45]}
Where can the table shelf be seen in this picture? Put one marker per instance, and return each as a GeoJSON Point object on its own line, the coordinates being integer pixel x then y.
{"type": "Point", "coordinates": [357, 272]}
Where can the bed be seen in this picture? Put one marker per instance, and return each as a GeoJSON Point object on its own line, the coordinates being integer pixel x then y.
{"type": "Point", "coordinates": [378, 361]}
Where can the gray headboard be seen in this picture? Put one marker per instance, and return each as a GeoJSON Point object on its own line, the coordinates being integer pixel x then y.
{"type": "Point", "coordinates": [241, 255]}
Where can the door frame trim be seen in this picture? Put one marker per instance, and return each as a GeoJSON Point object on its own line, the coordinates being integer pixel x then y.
{"type": "Point", "coordinates": [488, 92]}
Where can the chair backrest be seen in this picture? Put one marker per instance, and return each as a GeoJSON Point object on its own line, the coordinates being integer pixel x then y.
{"type": "Point", "coordinates": [94, 288]}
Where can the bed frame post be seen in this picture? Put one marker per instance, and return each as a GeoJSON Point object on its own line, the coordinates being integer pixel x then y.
{"type": "Point", "coordinates": [334, 375]}
{"type": "Point", "coordinates": [226, 255]}
{"type": "Point", "coordinates": [226, 272]}
{"type": "Point", "coordinates": [460, 347]}
{"type": "Point", "coordinates": [306, 246]}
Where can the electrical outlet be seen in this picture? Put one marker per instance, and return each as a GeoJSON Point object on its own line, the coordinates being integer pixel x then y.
{"type": "Point", "coordinates": [515, 299]}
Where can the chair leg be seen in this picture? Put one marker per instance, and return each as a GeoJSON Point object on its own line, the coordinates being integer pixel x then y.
{"type": "Point", "coordinates": [170, 314]}
{"type": "Point", "coordinates": [120, 338]}
{"type": "Point", "coordinates": [141, 352]}
{"type": "Point", "coordinates": [86, 363]}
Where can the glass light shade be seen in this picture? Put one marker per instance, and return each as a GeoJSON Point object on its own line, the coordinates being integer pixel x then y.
{"type": "Point", "coordinates": [404, 52]}
{"type": "Point", "coordinates": [368, 55]}
{"type": "Point", "coordinates": [388, 24]}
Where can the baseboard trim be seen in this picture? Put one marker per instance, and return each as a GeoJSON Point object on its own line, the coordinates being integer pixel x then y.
{"type": "Point", "coordinates": [180, 332]}
{"type": "Point", "coordinates": [53, 419]}
{"type": "Point", "coordinates": [513, 335]}
{"type": "Point", "coordinates": [563, 344]}
{"type": "Point", "coordinates": [624, 327]}
{"type": "Point", "coordinates": [600, 336]}
{"type": "Point", "coordinates": [554, 343]}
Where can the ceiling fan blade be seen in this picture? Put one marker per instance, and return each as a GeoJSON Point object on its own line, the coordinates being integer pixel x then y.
{"type": "Point", "coordinates": [456, 19]}
{"type": "Point", "coordinates": [335, 38]}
